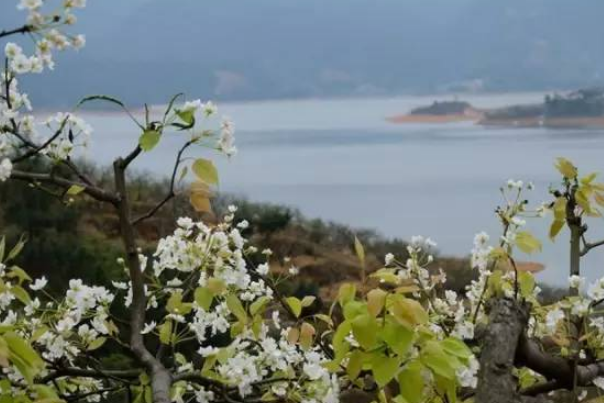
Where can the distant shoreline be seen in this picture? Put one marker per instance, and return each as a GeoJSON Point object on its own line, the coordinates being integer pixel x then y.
{"type": "Point", "coordinates": [480, 119]}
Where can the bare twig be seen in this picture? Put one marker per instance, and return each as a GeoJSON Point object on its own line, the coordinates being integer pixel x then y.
{"type": "Point", "coordinates": [587, 246]}
{"type": "Point", "coordinates": [21, 30]}
{"type": "Point", "coordinates": [171, 192]}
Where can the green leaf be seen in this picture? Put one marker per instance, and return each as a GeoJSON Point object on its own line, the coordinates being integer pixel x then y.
{"type": "Point", "coordinates": [97, 343]}
{"type": "Point", "coordinates": [175, 304]}
{"type": "Point", "coordinates": [560, 208]}
{"type": "Point", "coordinates": [187, 116]}
{"type": "Point", "coordinates": [46, 394]}
{"type": "Point", "coordinates": [355, 364]}
{"type": "Point", "coordinates": [307, 333]}
{"type": "Point", "coordinates": [526, 282]}
{"type": "Point", "coordinates": [456, 347]}
{"type": "Point", "coordinates": [346, 293]}
{"type": "Point", "coordinates": [364, 329]}
{"type": "Point", "coordinates": [359, 250]}
{"type": "Point", "coordinates": [583, 200]}
{"type": "Point", "coordinates": [204, 297]}
{"type": "Point", "coordinates": [75, 190]}
{"type": "Point", "coordinates": [259, 305]}
{"type": "Point", "coordinates": [295, 305]}
{"type": "Point", "coordinates": [21, 294]}
{"type": "Point", "coordinates": [442, 364]}
{"type": "Point", "coordinates": [399, 338]}
{"type": "Point", "coordinates": [308, 301]}
{"type": "Point", "coordinates": [555, 228]}
{"type": "Point", "coordinates": [149, 139]}
{"type": "Point", "coordinates": [411, 382]}
{"type": "Point", "coordinates": [2, 248]}
{"type": "Point", "coordinates": [216, 285]}
{"type": "Point", "coordinates": [408, 312]}
{"type": "Point", "coordinates": [236, 308]}
{"type": "Point", "coordinates": [16, 249]}
{"type": "Point", "coordinates": [527, 243]}
{"type": "Point", "coordinates": [206, 171]}
{"type": "Point", "coordinates": [165, 332]}
{"type": "Point", "coordinates": [23, 356]}
{"type": "Point", "coordinates": [17, 272]}
{"type": "Point", "coordinates": [566, 168]}
{"type": "Point", "coordinates": [384, 369]}
{"type": "Point", "coordinates": [110, 100]}
{"type": "Point", "coordinates": [376, 299]}
{"type": "Point", "coordinates": [171, 105]}
{"type": "Point", "coordinates": [340, 345]}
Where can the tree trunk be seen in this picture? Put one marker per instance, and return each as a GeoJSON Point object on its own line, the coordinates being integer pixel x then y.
{"type": "Point", "coordinates": [496, 383]}
{"type": "Point", "coordinates": [161, 379]}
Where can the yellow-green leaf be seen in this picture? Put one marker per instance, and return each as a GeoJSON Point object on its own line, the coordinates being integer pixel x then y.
{"type": "Point", "coordinates": [206, 171]}
{"type": "Point", "coordinates": [355, 364]}
{"type": "Point", "coordinates": [364, 329]}
{"type": "Point", "coordinates": [376, 299]}
{"type": "Point", "coordinates": [566, 168]}
{"type": "Point", "coordinates": [384, 369]}
{"type": "Point", "coordinates": [97, 343]}
{"type": "Point", "coordinates": [359, 250]}
{"type": "Point", "coordinates": [307, 333]}
{"type": "Point", "coordinates": [346, 293]}
{"type": "Point", "coordinates": [527, 243]}
{"type": "Point", "coordinates": [408, 312]}
{"type": "Point", "coordinates": [149, 139]}
{"type": "Point", "coordinates": [295, 305]}
{"type": "Point", "coordinates": [75, 190]}
{"type": "Point", "coordinates": [236, 308]}
{"type": "Point", "coordinates": [555, 228]}
{"type": "Point", "coordinates": [204, 297]}
{"type": "Point", "coordinates": [411, 382]}
{"type": "Point", "coordinates": [165, 332]}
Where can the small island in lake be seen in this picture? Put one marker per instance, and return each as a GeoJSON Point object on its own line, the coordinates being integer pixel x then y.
{"type": "Point", "coordinates": [440, 112]}
{"type": "Point", "coordinates": [583, 108]}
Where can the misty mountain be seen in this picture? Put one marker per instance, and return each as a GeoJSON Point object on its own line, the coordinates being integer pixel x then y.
{"type": "Point", "coordinates": [145, 50]}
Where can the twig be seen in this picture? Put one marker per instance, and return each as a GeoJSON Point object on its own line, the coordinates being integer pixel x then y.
{"type": "Point", "coordinates": [93, 191]}
{"type": "Point", "coordinates": [171, 192]}
{"type": "Point", "coordinates": [21, 30]}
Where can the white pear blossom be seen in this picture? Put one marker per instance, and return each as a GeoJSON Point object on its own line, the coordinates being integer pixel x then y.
{"type": "Point", "coordinates": [6, 169]}
{"type": "Point", "coordinates": [39, 284]}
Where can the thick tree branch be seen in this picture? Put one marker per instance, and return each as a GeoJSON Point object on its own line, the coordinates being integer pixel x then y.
{"type": "Point", "coordinates": [160, 377]}
{"type": "Point", "coordinates": [555, 368]}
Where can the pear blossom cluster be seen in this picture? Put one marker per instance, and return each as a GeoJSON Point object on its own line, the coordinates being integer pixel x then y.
{"type": "Point", "coordinates": [47, 29]}
{"type": "Point", "coordinates": [197, 111]}
{"type": "Point", "coordinates": [214, 262]}
{"type": "Point", "coordinates": [62, 330]}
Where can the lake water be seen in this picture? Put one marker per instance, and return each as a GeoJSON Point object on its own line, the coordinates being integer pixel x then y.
{"type": "Point", "coordinates": [341, 160]}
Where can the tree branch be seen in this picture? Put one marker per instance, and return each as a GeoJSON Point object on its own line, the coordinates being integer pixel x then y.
{"type": "Point", "coordinates": [171, 192]}
{"type": "Point", "coordinates": [555, 368]}
{"type": "Point", "coordinates": [93, 191]}
{"type": "Point", "coordinates": [161, 379]}
{"type": "Point", "coordinates": [21, 30]}
{"type": "Point", "coordinates": [589, 246]}
{"type": "Point", "coordinates": [91, 373]}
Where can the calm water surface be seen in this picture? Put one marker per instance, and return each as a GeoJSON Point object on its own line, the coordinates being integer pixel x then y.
{"type": "Point", "coordinates": [340, 160]}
